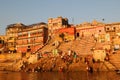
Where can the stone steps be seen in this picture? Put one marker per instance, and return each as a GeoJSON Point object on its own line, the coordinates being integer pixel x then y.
{"type": "Point", "coordinates": [115, 60]}
{"type": "Point", "coordinates": [109, 66]}
{"type": "Point", "coordinates": [82, 46]}
{"type": "Point", "coordinates": [85, 46]}
{"type": "Point", "coordinates": [5, 64]}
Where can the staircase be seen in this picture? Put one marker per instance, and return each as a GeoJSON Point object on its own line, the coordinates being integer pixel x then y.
{"type": "Point", "coordinates": [115, 60]}
{"type": "Point", "coordinates": [47, 47]}
{"type": "Point", "coordinates": [82, 47]}
{"type": "Point", "coordinates": [109, 66]}
{"type": "Point", "coordinates": [64, 46]}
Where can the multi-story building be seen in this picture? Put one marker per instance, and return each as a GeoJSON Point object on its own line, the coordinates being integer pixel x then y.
{"type": "Point", "coordinates": [29, 38]}
{"type": "Point", "coordinates": [95, 29]}
{"type": "Point", "coordinates": [12, 33]}
{"type": "Point", "coordinates": [113, 29]}
{"type": "Point", "coordinates": [12, 29]}
{"type": "Point", "coordinates": [57, 23]}
{"type": "Point", "coordinates": [89, 29]}
{"type": "Point", "coordinates": [32, 37]}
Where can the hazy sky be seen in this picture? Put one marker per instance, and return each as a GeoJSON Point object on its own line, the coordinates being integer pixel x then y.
{"type": "Point", "coordinates": [77, 11]}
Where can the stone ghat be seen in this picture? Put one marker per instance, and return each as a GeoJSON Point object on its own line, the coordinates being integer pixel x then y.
{"type": "Point", "coordinates": [64, 64]}
{"type": "Point", "coordinates": [46, 64]}
{"type": "Point", "coordinates": [60, 64]}
{"type": "Point", "coordinates": [56, 64]}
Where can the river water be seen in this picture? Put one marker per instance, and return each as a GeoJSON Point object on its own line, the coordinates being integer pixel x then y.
{"type": "Point", "coordinates": [59, 76]}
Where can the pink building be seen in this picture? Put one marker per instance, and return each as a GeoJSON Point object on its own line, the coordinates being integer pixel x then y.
{"type": "Point", "coordinates": [89, 31]}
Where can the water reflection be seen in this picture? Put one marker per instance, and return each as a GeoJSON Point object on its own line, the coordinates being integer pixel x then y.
{"type": "Point", "coordinates": [59, 76]}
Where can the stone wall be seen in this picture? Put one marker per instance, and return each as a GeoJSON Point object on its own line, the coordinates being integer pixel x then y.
{"type": "Point", "coordinates": [12, 56]}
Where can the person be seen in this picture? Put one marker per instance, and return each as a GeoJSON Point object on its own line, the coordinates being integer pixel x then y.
{"type": "Point", "coordinates": [89, 65]}
{"type": "Point", "coordinates": [38, 55]}
{"type": "Point", "coordinates": [69, 52]}
{"type": "Point", "coordinates": [107, 57]}
{"type": "Point", "coordinates": [74, 54]}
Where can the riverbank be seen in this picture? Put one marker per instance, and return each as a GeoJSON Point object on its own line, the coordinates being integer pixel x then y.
{"type": "Point", "coordinates": [65, 58]}
{"type": "Point", "coordinates": [59, 64]}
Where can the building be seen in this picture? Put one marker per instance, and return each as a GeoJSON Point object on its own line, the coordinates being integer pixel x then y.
{"type": "Point", "coordinates": [2, 44]}
{"type": "Point", "coordinates": [12, 33]}
{"type": "Point", "coordinates": [56, 23]}
{"type": "Point", "coordinates": [113, 29]}
{"type": "Point", "coordinates": [12, 29]}
{"type": "Point", "coordinates": [99, 55]}
{"type": "Point", "coordinates": [3, 41]}
{"type": "Point", "coordinates": [32, 37]}
{"type": "Point", "coordinates": [86, 29]}
{"type": "Point", "coordinates": [66, 34]}
{"type": "Point", "coordinates": [116, 43]}
{"type": "Point", "coordinates": [89, 30]}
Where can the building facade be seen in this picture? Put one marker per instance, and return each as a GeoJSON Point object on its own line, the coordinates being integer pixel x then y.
{"type": "Point", "coordinates": [89, 31]}
{"type": "Point", "coordinates": [113, 29]}
{"type": "Point", "coordinates": [66, 34]}
{"type": "Point", "coordinates": [32, 37]}
{"type": "Point", "coordinates": [25, 38]}
{"type": "Point", "coordinates": [56, 23]}
{"type": "Point", "coordinates": [12, 34]}
{"type": "Point", "coordinates": [13, 29]}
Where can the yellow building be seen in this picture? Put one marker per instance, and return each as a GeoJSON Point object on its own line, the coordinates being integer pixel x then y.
{"type": "Point", "coordinates": [12, 34]}
{"type": "Point", "coordinates": [112, 29]}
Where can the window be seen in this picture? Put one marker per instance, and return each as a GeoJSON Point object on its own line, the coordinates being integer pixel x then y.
{"type": "Point", "coordinates": [114, 28]}
{"type": "Point", "coordinates": [99, 30]}
{"type": "Point", "coordinates": [1, 41]}
{"type": "Point", "coordinates": [55, 24]}
{"type": "Point", "coordinates": [108, 29]}
{"type": "Point", "coordinates": [78, 35]}
{"type": "Point", "coordinates": [28, 49]}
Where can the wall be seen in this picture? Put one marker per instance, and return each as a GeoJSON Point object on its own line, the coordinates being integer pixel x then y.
{"type": "Point", "coordinates": [90, 30]}
{"type": "Point", "coordinates": [11, 56]}
{"type": "Point", "coordinates": [69, 33]}
{"type": "Point", "coordinates": [32, 38]}
{"type": "Point", "coordinates": [99, 55]}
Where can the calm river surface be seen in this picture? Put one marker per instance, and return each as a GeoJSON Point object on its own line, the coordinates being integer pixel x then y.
{"type": "Point", "coordinates": [59, 76]}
